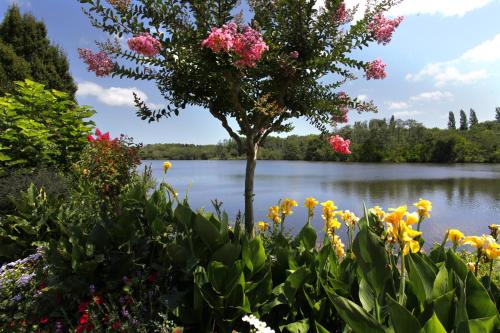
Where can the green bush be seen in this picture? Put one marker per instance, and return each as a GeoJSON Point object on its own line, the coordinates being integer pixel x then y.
{"type": "Point", "coordinates": [39, 126]}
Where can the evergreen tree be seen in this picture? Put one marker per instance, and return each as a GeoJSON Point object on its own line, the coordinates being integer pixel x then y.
{"type": "Point", "coordinates": [497, 115]}
{"type": "Point", "coordinates": [451, 121]}
{"type": "Point", "coordinates": [30, 54]}
{"type": "Point", "coordinates": [472, 118]}
{"type": "Point", "coordinates": [392, 123]}
{"type": "Point", "coordinates": [463, 121]}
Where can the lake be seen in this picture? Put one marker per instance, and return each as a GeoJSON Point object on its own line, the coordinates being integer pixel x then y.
{"type": "Point", "coordinates": [464, 196]}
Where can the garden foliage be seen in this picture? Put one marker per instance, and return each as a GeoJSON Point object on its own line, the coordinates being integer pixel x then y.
{"type": "Point", "coordinates": [156, 255]}
{"type": "Point", "coordinates": [40, 126]}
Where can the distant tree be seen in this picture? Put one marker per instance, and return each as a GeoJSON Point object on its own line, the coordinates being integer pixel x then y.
{"type": "Point", "coordinates": [35, 59]}
{"type": "Point", "coordinates": [451, 121]}
{"type": "Point", "coordinates": [463, 121]}
{"type": "Point", "coordinates": [497, 115]}
{"type": "Point", "coordinates": [472, 118]}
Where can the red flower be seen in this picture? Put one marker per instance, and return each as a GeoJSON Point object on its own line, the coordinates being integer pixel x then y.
{"type": "Point", "coordinates": [116, 325]}
{"type": "Point", "coordinates": [90, 138]}
{"type": "Point", "coordinates": [42, 285]}
{"type": "Point", "coordinates": [98, 300]}
{"type": "Point", "coordinates": [84, 318]}
{"type": "Point", "coordinates": [44, 320]}
{"type": "Point", "coordinates": [153, 277]}
{"type": "Point", "coordinates": [83, 306]}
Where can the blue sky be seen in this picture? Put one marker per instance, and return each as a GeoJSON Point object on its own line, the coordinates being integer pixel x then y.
{"type": "Point", "coordinates": [444, 57]}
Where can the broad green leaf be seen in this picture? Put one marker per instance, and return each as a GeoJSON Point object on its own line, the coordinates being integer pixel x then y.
{"type": "Point", "coordinates": [297, 327]}
{"type": "Point", "coordinates": [402, 320]}
{"type": "Point", "coordinates": [440, 286]}
{"type": "Point", "coordinates": [307, 237]}
{"type": "Point", "coordinates": [433, 325]}
{"type": "Point", "coordinates": [456, 264]}
{"type": "Point", "coordinates": [366, 295]}
{"type": "Point", "coordinates": [422, 276]}
{"type": "Point", "coordinates": [294, 282]}
{"type": "Point", "coordinates": [225, 278]}
{"type": "Point", "coordinates": [227, 254]}
{"type": "Point", "coordinates": [442, 306]}
{"type": "Point", "coordinates": [355, 316]}
{"type": "Point", "coordinates": [207, 232]}
{"type": "Point", "coordinates": [484, 325]}
{"type": "Point", "coordinates": [478, 302]}
{"type": "Point", "coordinates": [253, 254]}
{"type": "Point", "coordinates": [373, 261]}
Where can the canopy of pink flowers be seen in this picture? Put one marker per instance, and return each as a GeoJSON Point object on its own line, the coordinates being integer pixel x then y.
{"type": "Point", "coordinates": [344, 110]}
{"type": "Point", "coordinates": [145, 44]}
{"type": "Point", "coordinates": [99, 62]}
{"type": "Point", "coordinates": [340, 145]}
{"type": "Point", "coordinates": [248, 45]}
{"type": "Point", "coordinates": [341, 13]}
{"type": "Point", "coordinates": [383, 28]}
{"type": "Point", "coordinates": [375, 70]}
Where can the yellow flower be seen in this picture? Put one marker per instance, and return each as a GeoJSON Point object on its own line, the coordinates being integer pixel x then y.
{"type": "Point", "coordinates": [478, 242]}
{"type": "Point", "coordinates": [331, 223]}
{"type": "Point", "coordinates": [85, 172]}
{"type": "Point", "coordinates": [262, 226]}
{"type": "Point", "coordinates": [395, 216]}
{"type": "Point", "coordinates": [407, 238]}
{"type": "Point", "coordinates": [286, 206]}
{"type": "Point", "coordinates": [310, 203]}
{"type": "Point", "coordinates": [378, 212]}
{"type": "Point", "coordinates": [274, 214]}
{"type": "Point", "coordinates": [455, 235]}
{"type": "Point", "coordinates": [492, 251]}
{"type": "Point", "coordinates": [349, 218]}
{"type": "Point", "coordinates": [494, 230]}
{"type": "Point", "coordinates": [411, 218]}
{"type": "Point", "coordinates": [423, 207]}
{"type": "Point", "coordinates": [339, 246]}
{"type": "Point", "coordinates": [166, 165]}
{"type": "Point", "coordinates": [471, 267]}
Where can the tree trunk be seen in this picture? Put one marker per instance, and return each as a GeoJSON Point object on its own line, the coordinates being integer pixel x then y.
{"type": "Point", "coordinates": [251, 153]}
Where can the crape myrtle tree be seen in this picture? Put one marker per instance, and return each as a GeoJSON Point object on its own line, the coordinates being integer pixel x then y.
{"type": "Point", "coordinates": [288, 60]}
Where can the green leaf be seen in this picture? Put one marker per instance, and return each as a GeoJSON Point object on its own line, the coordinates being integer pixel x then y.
{"type": "Point", "coordinates": [456, 264]}
{"type": "Point", "coordinates": [422, 276]}
{"type": "Point", "coordinates": [366, 295]}
{"type": "Point", "coordinates": [294, 282]}
{"type": "Point", "coordinates": [484, 325]}
{"type": "Point", "coordinates": [355, 316]}
{"type": "Point", "coordinates": [402, 320]}
{"type": "Point", "coordinates": [478, 302]}
{"type": "Point", "coordinates": [433, 325]}
{"type": "Point", "coordinates": [307, 237]}
{"type": "Point", "coordinates": [440, 286]}
{"type": "Point", "coordinates": [442, 306]}
{"type": "Point", "coordinates": [297, 327]}
{"type": "Point", "coordinates": [207, 232]}
{"type": "Point", "coordinates": [225, 278]}
{"type": "Point", "coordinates": [373, 261]}
{"type": "Point", "coordinates": [227, 254]}
{"type": "Point", "coordinates": [254, 254]}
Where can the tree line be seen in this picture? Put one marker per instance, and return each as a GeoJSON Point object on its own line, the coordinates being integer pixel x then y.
{"type": "Point", "coordinates": [377, 140]}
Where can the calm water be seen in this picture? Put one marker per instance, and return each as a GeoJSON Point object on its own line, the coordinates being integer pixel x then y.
{"type": "Point", "coordinates": [466, 196]}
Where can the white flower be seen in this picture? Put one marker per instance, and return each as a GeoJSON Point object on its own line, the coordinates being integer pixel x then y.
{"type": "Point", "coordinates": [259, 325]}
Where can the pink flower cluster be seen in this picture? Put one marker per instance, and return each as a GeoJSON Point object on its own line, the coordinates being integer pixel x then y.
{"type": "Point", "coordinates": [341, 13]}
{"type": "Point", "coordinates": [344, 110]}
{"type": "Point", "coordinates": [145, 44]}
{"type": "Point", "coordinates": [99, 136]}
{"type": "Point", "coordinates": [340, 145]}
{"type": "Point", "coordinates": [99, 62]}
{"type": "Point", "coordinates": [375, 70]}
{"type": "Point", "coordinates": [248, 45]}
{"type": "Point", "coordinates": [383, 28]}
{"type": "Point", "coordinates": [294, 54]}
{"type": "Point", "coordinates": [120, 4]}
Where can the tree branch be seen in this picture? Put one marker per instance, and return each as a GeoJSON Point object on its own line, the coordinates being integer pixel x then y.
{"type": "Point", "coordinates": [226, 126]}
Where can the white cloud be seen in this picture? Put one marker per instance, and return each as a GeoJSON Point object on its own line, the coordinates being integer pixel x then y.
{"type": "Point", "coordinates": [451, 71]}
{"type": "Point", "coordinates": [438, 7]}
{"type": "Point", "coordinates": [432, 96]}
{"type": "Point", "coordinates": [488, 51]}
{"type": "Point", "coordinates": [406, 113]}
{"type": "Point", "coordinates": [362, 97]}
{"type": "Point", "coordinates": [112, 96]}
{"type": "Point", "coordinates": [399, 105]}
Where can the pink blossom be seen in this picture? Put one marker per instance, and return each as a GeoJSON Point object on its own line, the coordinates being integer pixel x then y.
{"type": "Point", "coordinates": [248, 46]}
{"type": "Point", "coordinates": [375, 70]}
{"type": "Point", "coordinates": [294, 54]}
{"type": "Point", "coordinates": [340, 145]}
{"type": "Point", "coordinates": [120, 4]}
{"type": "Point", "coordinates": [145, 44]}
{"type": "Point", "coordinates": [99, 62]}
{"type": "Point", "coordinates": [383, 28]}
{"type": "Point", "coordinates": [343, 117]}
{"type": "Point", "coordinates": [341, 13]}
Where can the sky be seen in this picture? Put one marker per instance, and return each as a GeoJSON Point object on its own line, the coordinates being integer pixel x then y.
{"type": "Point", "coordinates": [445, 56]}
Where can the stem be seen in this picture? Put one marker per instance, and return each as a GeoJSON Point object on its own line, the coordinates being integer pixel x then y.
{"type": "Point", "coordinates": [476, 268]}
{"type": "Point", "coordinates": [420, 219]}
{"type": "Point", "coordinates": [402, 281]}
{"type": "Point", "coordinates": [249, 180]}
{"type": "Point", "coordinates": [489, 274]}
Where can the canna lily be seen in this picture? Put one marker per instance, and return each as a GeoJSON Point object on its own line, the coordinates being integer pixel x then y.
{"type": "Point", "coordinates": [262, 226]}
{"type": "Point", "coordinates": [411, 218]}
{"type": "Point", "coordinates": [478, 242]}
{"type": "Point", "coordinates": [492, 251]}
{"type": "Point", "coordinates": [166, 166]}
{"type": "Point", "coordinates": [286, 206]}
{"type": "Point", "coordinates": [395, 216]}
{"type": "Point", "coordinates": [455, 236]}
{"type": "Point", "coordinates": [331, 223]}
{"type": "Point", "coordinates": [310, 203]}
{"type": "Point", "coordinates": [423, 207]}
{"type": "Point", "coordinates": [274, 214]}
{"type": "Point", "coordinates": [339, 246]}
{"type": "Point", "coordinates": [407, 237]}
{"type": "Point", "coordinates": [378, 212]}
{"type": "Point", "coordinates": [349, 218]}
